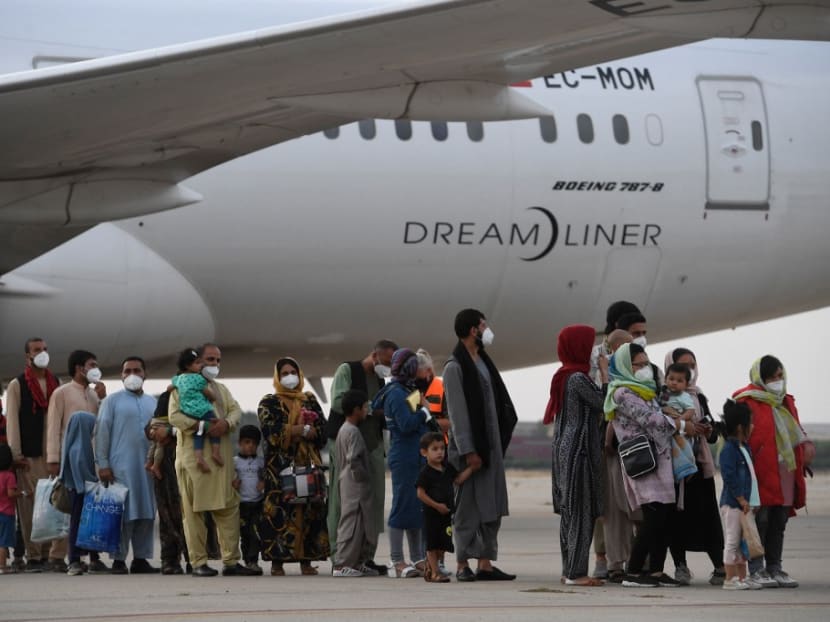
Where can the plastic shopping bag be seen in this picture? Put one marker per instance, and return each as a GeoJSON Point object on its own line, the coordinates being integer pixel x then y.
{"type": "Point", "coordinates": [682, 458]}
{"type": "Point", "coordinates": [48, 523]}
{"type": "Point", "coordinates": [100, 525]}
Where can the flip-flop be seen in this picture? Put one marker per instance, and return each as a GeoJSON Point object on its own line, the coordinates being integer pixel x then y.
{"type": "Point", "coordinates": [585, 582]}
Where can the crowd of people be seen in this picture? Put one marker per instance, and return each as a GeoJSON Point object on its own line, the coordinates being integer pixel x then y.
{"type": "Point", "coordinates": [632, 468]}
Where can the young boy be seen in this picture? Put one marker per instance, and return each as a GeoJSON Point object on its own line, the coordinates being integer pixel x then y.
{"type": "Point", "coordinates": [249, 483]}
{"type": "Point", "coordinates": [354, 531]}
{"type": "Point", "coordinates": [435, 491]}
{"type": "Point", "coordinates": [678, 404]}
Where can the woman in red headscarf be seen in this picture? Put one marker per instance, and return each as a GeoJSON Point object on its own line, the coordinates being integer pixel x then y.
{"type": "Point", "coordinates": [575, 407]}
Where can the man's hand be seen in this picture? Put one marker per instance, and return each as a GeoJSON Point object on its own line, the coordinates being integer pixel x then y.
{"type": "Point", "coordinates": [235, 483]}
{"type": "Point", "coordinates": [106, 476]}
{"type": "Point", "coordinates": [54, 468]}
{"type": "Point", "coordinates": [218, 427]}
{"type": "Point", "coordinates": [473, 460]}
{"type": "Point", "coordinates": [100, 390]}
{"type": "Point", "coordinates": [442, 508]}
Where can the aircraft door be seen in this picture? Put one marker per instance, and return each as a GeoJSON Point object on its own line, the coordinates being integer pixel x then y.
{"type": "Point", "coordinates": [737, 145]}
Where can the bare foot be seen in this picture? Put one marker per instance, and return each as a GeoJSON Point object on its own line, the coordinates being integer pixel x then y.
{"type": "Point", "coordinates": [217, 457]}
{"type": "Point", "coordinates": [203, 466]}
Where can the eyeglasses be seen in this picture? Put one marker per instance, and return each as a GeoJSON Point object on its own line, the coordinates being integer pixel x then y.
{"type": "Point", "coordinates": [639, 365]}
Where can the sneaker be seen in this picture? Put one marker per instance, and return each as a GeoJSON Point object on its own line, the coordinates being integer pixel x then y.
{"type": "Point", "coordinates": [640, 580]}
{"type": "Point", "coordinates": [753, 584]}
{"type": "Point", "coordinates": [717, 577]}
{"type": "Point", "coordinates": [36, 565]}
{"type": "Point", "coordinates": [762, 578]}
{"type": "Point", "coordinates": [666, 581]}
{"type": "Point", "coordinates": [96, 566]}
{"type": "Point", "coordinates": [443, 570]}
{"type": "Point", "coordinates": [683, 575]}
{"type": "Point", "coordinates": [254, 567]}
{"type": "Point", "coordinates": [784, 580]}
{"type": "Point", "coordinates": [57, 565]}
{"type": "Point", "coordinates": [368, 572]}
{"type": "Point", "coordinates": [734, 584]}
{"type": "Point", "coordinates": [18, 565]}
{"type": "Point", "coordinates": [119, 567]}
{"type": "Point", "coordinates": [142, 566]}
{"type": "Point", "coordinates": [75, 569]}
{"type": "Point", "coordinates": [601, 568]}
{"type": "Point", "coordinates": [345, 571]}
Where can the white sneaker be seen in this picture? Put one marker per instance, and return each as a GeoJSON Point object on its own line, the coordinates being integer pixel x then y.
{"type": "Point", "coordinates": [753, 584]}
{"type": "Point", "coordinates": [764, 579]}
{"type": "Point", "coordinates": [443, 570]}
{"type": "Point", "coordinates": [734, 584]}
{"type": "Point", "coordinates": [345, 571]}
{"type": "Point", "coordinates": [784, 580]}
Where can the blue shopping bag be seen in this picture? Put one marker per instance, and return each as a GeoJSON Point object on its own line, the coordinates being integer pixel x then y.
{"type": "Point", "coordinates": [100, 525]}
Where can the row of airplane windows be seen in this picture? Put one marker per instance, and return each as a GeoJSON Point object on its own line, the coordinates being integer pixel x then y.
{"type": "Point", "coordinates": [547, 128]}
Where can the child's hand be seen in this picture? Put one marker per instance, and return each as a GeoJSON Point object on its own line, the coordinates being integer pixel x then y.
{"type": "Point", "coordinates": [208, 393]}
{"type": "Point", "coordinates": [442, 508]}
{"type": "Point", "coordinates": [744, 505]}
{"type": "Point", "coordinates": [235, 483]}
{"type": "Point", "coordinates": [260, 486]}
{"type": "Point", "coordinates": [671, 412]}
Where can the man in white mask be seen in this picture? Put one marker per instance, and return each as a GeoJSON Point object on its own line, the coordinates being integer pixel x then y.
{"type": "Point", "coordinates": [27, 400]}
{"type": "Point", "coordinates": [635, 324]}
{"type": "Point", "coordinates": [369, 376]}
{"type": "Point", "coordinates": [120, 452]}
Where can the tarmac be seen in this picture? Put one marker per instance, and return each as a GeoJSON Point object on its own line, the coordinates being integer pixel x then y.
{"type": "Point", "coordinates": [528, 547]}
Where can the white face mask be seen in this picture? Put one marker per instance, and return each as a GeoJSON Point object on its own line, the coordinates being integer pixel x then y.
{"type": "Point", "coordinates": [383, 371]}
{"type": "Point", "coordinates": [41, 360]}
{"type": "Point", "coordinates": [93, 376]}
{"type": "Point", "coordinates": [133, 382]}
{"type": "Point", "coordinates": [487, 337]}
{"type": "Point", "coordinates": [776, 386]}
{"type": "Point", "coordinates": [640, 341]}
{"type": "Point", "coordinates": [645, 374]}
{"type": "Point", "coordinates": [210, 372]}
{"type": "Point", "coordinates": [290, 381]}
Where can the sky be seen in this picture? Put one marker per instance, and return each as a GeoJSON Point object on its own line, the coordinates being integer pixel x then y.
{"type": "Point", "coordinates": [724, 358]}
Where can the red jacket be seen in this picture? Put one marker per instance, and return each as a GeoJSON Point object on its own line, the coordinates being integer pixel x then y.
{"type": "Point", "coordinates": [765, 452]}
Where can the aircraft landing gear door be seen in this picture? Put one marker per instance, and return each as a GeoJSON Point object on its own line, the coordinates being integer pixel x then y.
{"type": "Point", "coordinates": [737, 148]}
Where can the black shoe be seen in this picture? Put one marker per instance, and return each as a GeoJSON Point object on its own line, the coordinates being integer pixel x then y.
{"type": "Point", "coordinates": [204, 571]}
{"type": "Point", "coordinates": [640, 580]}
{"type": "Point", "coordinates": [188, 569]}
{"type": "Point", "coordinates": [172, 569]}
{"type": "Point", "coordinates": [494, 575]}
{"type": "Point", "coordinates": [382, 570]}
{"type": "Point", "coordinates": [238, 570]}
{"type": "Point", "coordinates": [34, 565]}
{"type": "Point", "coordinates": [57, 565]}
{"type": "Point", "coordinates": [465, 575]}
{"type": "Point", "coordinates": [119, 567]}
{"type": "Point", "coordinates": [96, 566]}
{"type": "Point", "coordinates": [616, 576]}
{"type": "Point", "coordinates": [142, 566]}
{"type": "Point", "coordinates": [666, 581]}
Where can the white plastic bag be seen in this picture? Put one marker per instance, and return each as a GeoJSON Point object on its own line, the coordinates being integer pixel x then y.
{"type": "Point", "coordinates": [48, 523]}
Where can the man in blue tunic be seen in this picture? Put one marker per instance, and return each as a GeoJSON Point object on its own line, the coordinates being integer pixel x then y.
{"type": "Point", "coordinates": [120, 454]}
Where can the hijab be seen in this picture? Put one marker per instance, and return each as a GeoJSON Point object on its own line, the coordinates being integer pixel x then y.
{"type": "Point", "coordinates": [622, 376]}
{"type": "Point", "coordinates": [788, 434]}
{"type": "Point", "coordinates": [405, 367]}
{"type": "Point", "coordinates": [574, 347]}
{"type": "Point", "coordinates": [76, 455]}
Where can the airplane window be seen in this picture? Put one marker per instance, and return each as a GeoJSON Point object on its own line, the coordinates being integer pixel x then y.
{"type": "Point", "coordinates": [332, 132]}
{"type": "Point", "coordinates": [403, 128]}
{"type": "Point", "coordinates": [585, 128]}
{"type": "Point", "coordinates": [547, 125]}
{"type": "Point", "coordinates": [439, 130]}
{"type": "Point", "coordinates": [367, 128]}
{"type": "Point", "coordinates": [475, 131]}
{"type": "Point", "coordinates": [757, 136]}
{"type": "Point", "coordinates": [654, 130]}
{"type": "Point", "coordinates": [620, 125]}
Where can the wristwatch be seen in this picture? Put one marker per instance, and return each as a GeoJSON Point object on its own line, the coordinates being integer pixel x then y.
{"type": "Point", "coordinates": [306, 430]}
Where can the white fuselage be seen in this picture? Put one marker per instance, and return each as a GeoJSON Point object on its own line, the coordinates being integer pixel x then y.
{"type": "Point", "coordinates": [702, 196]}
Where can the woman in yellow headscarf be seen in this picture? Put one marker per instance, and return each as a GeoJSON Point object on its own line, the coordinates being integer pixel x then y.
{"type": "Point", "coordinates": [292, 430]}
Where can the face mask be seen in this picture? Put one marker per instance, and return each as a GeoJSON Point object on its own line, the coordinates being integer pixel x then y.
{"type": "Point", "coordinates": [422, 384]}
{"type": "Point", "coordinates": [210, 372]}
{"type": "Point", "coordinates": [693, 379]}
{"type": "Point", "coordinates": [776, 386]}
{"type": "Point", "coordinates": [645, 374]}
{"type": "Point", "coordinates": [487, 337]}
{"type": "Point", "coordinates": [290, 381]}
{"type": "Point", "coordinates": [133, 382]}
{"type": "Point", "coordinates": [383, 371]}
{"type": "Point", "coordinates": [41, 360]}
{"type": "Point", "coordinates": [93, 375]}
{"type": "Point", "coordinates": [640, 341]}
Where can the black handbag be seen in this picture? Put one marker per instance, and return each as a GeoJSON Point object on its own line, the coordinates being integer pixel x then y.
{"type": "Point", "coordinates": [638, 456]}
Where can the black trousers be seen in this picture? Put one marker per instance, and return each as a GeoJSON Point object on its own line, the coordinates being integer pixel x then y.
{"type": "Point", "coordinates": [250, 513]}
{"type": "Point", "coordinates": [772, 522]}
{"type": "Point", "coordinates": [652, 539]}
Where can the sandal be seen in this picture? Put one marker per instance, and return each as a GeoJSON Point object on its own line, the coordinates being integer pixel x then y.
{"type": "Point", "coordinates": [402, 571]}
{"type": "Point", "coordinates": [421, 567]}
{"type": "Point", "coordinates": [585, 582]}
{"type": "Point", "coordinates": [431, 577]}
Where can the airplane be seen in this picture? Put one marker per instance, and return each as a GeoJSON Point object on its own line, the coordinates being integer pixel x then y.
{"type": "Point", "coordinates": [174, 173]}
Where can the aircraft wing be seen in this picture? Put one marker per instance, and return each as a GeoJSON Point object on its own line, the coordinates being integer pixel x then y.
{"type": "Point", "coordinates": [113, 137]}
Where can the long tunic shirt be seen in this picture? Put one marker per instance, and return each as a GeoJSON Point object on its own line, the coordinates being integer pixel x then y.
{"type": "Point", "coordinates": [120, 445]}
{"type": "Point", "coordinates": [489, 483]}
{"type": "Point", "coordinates": [66, 399]}
{"type": "Point", "coordinates": [355, 489]}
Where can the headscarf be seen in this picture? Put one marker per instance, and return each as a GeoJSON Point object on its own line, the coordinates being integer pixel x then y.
{"type": "Point", "coordinates": [404, 367]}
{"type": "Point", "coordinates": [292, 401]}
{"type": "Point", "coordinates": [788, 434]}
{"type": "Point", "coordinates": [622, 375]}
{"type": "Point", "coordinates": [291, 394]}
{"type": "Point", "coordinates": [76, 456]}
{"type": "Point", "coordinates": [574, 349]}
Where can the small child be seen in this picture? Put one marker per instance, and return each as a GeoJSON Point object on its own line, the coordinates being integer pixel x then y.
{"type": "Point", "coordinates": [355, 533]}
{"type": "Point", "coordinates": [249, 483]}
{"type": "Point", "coordinates": [8, 496]}
{"type": "Point", "coordinates": [435, 491]}
{"type": "Point", "coordinates": [678, 404]}
{"type": "Point", "coordinates": [740, 491]}
{"type": "Point", "coordinates": [195, 397]}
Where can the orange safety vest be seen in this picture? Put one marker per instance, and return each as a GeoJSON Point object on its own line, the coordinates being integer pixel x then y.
{"type": "Point", "coordinates": [435, 400]}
